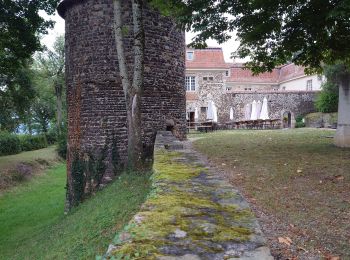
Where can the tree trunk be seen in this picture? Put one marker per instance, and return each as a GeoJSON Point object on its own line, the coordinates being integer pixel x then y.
{"type": "Point", "coordinates": [133, 91]}
{"type": "Point", "coordinates": [58, 92]}
{"type": "Point", "coordinates": [342, 137]}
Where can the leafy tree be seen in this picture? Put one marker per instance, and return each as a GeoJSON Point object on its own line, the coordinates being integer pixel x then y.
{"type": "Point", "coordinates": [16, 94]}
{"type": "Point", "coordinates": [272, 32]}
{"type": "Point", "coordinates": [327, 100]}
{"type": "Point", "coordinates": [20, 29]}
{"type": "Point", "coordinates": [49, 66]}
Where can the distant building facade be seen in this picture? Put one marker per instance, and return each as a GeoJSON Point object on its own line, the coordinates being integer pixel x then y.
{"type": "Point", "coordinates": [210, 78]}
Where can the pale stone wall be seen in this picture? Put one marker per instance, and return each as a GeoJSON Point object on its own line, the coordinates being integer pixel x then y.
{"type": "Point", "coordinates": [297, 103]}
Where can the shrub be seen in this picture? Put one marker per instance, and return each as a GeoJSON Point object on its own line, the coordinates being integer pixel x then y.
{"type": "Point", "coordinates": [62, 145]}
{"type": "Point", "coordinates": [299, 122]}
{"type": "Point", "coordinates": [33, 142]}
{"type": "Point", "coordinates": [51, 137]}
{"type": "Point", "coordinates": [9, 144]}
{"type": "Point", "coordinates": [327, 102]}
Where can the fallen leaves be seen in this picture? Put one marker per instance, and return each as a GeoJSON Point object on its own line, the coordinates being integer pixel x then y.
{"type": "Point", "coordinates": [285, 240]}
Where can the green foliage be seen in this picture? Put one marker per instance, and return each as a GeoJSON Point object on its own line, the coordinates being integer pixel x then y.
{"type": "Point", "coordinates": [327, 102]}
{"type": "Point", "coordinates": [78, 180]}
{"type": "Point", "coordinates": [49, 68]}
{"type": "Point", "coordinates": [62, 145]}
{"type": "Point", "coordinates": [33, 142]}
{"type": "Point", "coordinates": [9, 144]}
{"type": "Point", "coordinates": [299, 122]}
{"type": "Point", "coordinates": [272, 32]}
{"type": "Point", "coordinates": [21, 27]}
{"type": "Point", "coordinates": [16, 94]}
{"type": "Point", "coordinates": [100, 165]}
{"type": "Point", "coordinates": [51, 137]}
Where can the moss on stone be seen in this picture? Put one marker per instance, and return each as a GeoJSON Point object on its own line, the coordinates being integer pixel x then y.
{"type": "Point", "coordinates": [176, 206]}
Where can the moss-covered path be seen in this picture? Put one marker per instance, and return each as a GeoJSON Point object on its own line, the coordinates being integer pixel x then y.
{"type": "Point", "coordinates": [192, 213]}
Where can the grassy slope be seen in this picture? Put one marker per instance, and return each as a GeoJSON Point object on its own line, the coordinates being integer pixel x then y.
{"type": "Point", "coordinates": [297, 175]}
{"type": "Point", "coordinates": [32, 224]}
{"type": "Point", "coordinates": [48, 154]}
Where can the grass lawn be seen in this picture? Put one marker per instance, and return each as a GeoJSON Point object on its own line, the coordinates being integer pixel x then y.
{"type": "Point", "coordinates": [297, 179]}
{"type": "Point", "coordinates": [48, 154]}
{"type": "Point", "coordinates": [21, 167]}
{"type": "Point", "coordinates": [33, 226]}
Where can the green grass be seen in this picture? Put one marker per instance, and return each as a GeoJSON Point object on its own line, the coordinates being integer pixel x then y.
{"type": "Point", "coordinates": [19, 168]}
{"type": "Point", "coordinates": [48, 154]}
{"type": "Point", "coordinates": [33, 225]}
{"type": "Point", "coordinates": [298, 176]}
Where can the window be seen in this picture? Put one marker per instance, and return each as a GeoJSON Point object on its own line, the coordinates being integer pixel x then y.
{"type": "Point", "coordinates": [309, 85]}
{"type": "Point", "coordinates": [211, 78]}
{"type": "Point", "coordinates": [190, 82]}
{"type": "Point", "coordinates": [227, 73]}
{"type": "Point", "coordinates": [205, 78]}
{"type": "Point", "coordinates": [204, 110]}
{"type": "Point", "coordinates": [228, 88]}
{"type": "Point", "coordinates": [247, 89]}
{"type": "Point", "coordinates": [189, 55]}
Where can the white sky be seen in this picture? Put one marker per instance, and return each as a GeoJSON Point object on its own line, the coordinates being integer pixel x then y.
{"type": "Point", "coordinates": [48, 40]}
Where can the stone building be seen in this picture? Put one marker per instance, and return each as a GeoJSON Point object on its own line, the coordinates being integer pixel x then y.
{"type": "Point", "coordinates": [96, 104]}
{"type": "Point", "coordinates": [209, 78]}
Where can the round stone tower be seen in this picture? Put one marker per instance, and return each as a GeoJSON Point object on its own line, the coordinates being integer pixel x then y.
{"type": "Point", "coordinates": [97, 128]}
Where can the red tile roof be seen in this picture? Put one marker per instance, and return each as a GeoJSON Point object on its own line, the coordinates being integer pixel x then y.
{"type": "Point", "coordinates": [239, 74]}
{"type": "Point", "coordinates": [213, 58]}
{"type": "Point", "coordinates": [290, 71]}
{"type": "Point", "coordinates": [209, 58]}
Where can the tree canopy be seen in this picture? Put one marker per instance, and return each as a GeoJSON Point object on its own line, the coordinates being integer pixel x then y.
{"type": "Point", "coordinates": [20, 29]}
{"type": "Point", "coordinates": [271, 32]}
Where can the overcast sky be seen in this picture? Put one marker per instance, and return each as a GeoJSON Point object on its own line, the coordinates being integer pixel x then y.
{"type": "Point", "coordinates": [48, 40]}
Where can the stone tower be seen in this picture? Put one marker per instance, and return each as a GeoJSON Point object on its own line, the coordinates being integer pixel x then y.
{"type": "Point", "coordinates": [97, 131]}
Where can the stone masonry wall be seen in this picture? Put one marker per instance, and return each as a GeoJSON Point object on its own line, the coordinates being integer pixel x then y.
{"type": "Point", "coordinates": [297, 102]}
{"type": "Point", "coordinates": [96, 106]}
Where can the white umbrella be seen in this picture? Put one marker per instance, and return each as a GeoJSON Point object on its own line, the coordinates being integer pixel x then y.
{"type": "Point", "coordinates": [253, 114]}
{"type": "Point", "coordinates": [264, 110]}
{"type": "Point", "coordinates": [215, 112]}
{"type": "Point", "coordinates": [196, 114]}
{"type": "Point", "coordinates": [258, 109]}
{"type": "Point", "coordinates": [231, 113]}
{"type": "Point", "coordinates": [247, 111]}
{"type": "Point", "coordinates": [210, 112]}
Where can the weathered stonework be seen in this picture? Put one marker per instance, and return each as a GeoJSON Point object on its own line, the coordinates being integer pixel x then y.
{"type": "Point", "coordinates": [96, 105]}
{"type": "Point", "coordinates": [297, 102]}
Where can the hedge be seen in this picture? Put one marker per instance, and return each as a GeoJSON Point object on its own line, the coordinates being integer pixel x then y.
{"type": "Point", "coordinates": [33, 142]}
{"type": "Point", "coordinates": [9, 144]}
{"type": "Point", "coordinates": [13, 144]}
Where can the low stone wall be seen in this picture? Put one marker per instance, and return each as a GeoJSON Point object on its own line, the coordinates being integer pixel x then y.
{"type": "Point", "coordinates": [295, 102]}
{"type": "Point", "coordinates": [319, 120]}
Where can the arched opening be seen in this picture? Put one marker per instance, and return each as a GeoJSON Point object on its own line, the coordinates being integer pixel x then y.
{"type": "Point", "coordinates": [287, 119]}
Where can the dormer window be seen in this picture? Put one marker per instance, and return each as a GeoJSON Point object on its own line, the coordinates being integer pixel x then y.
{"type": "Point", "coordinates": [189, 55]}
